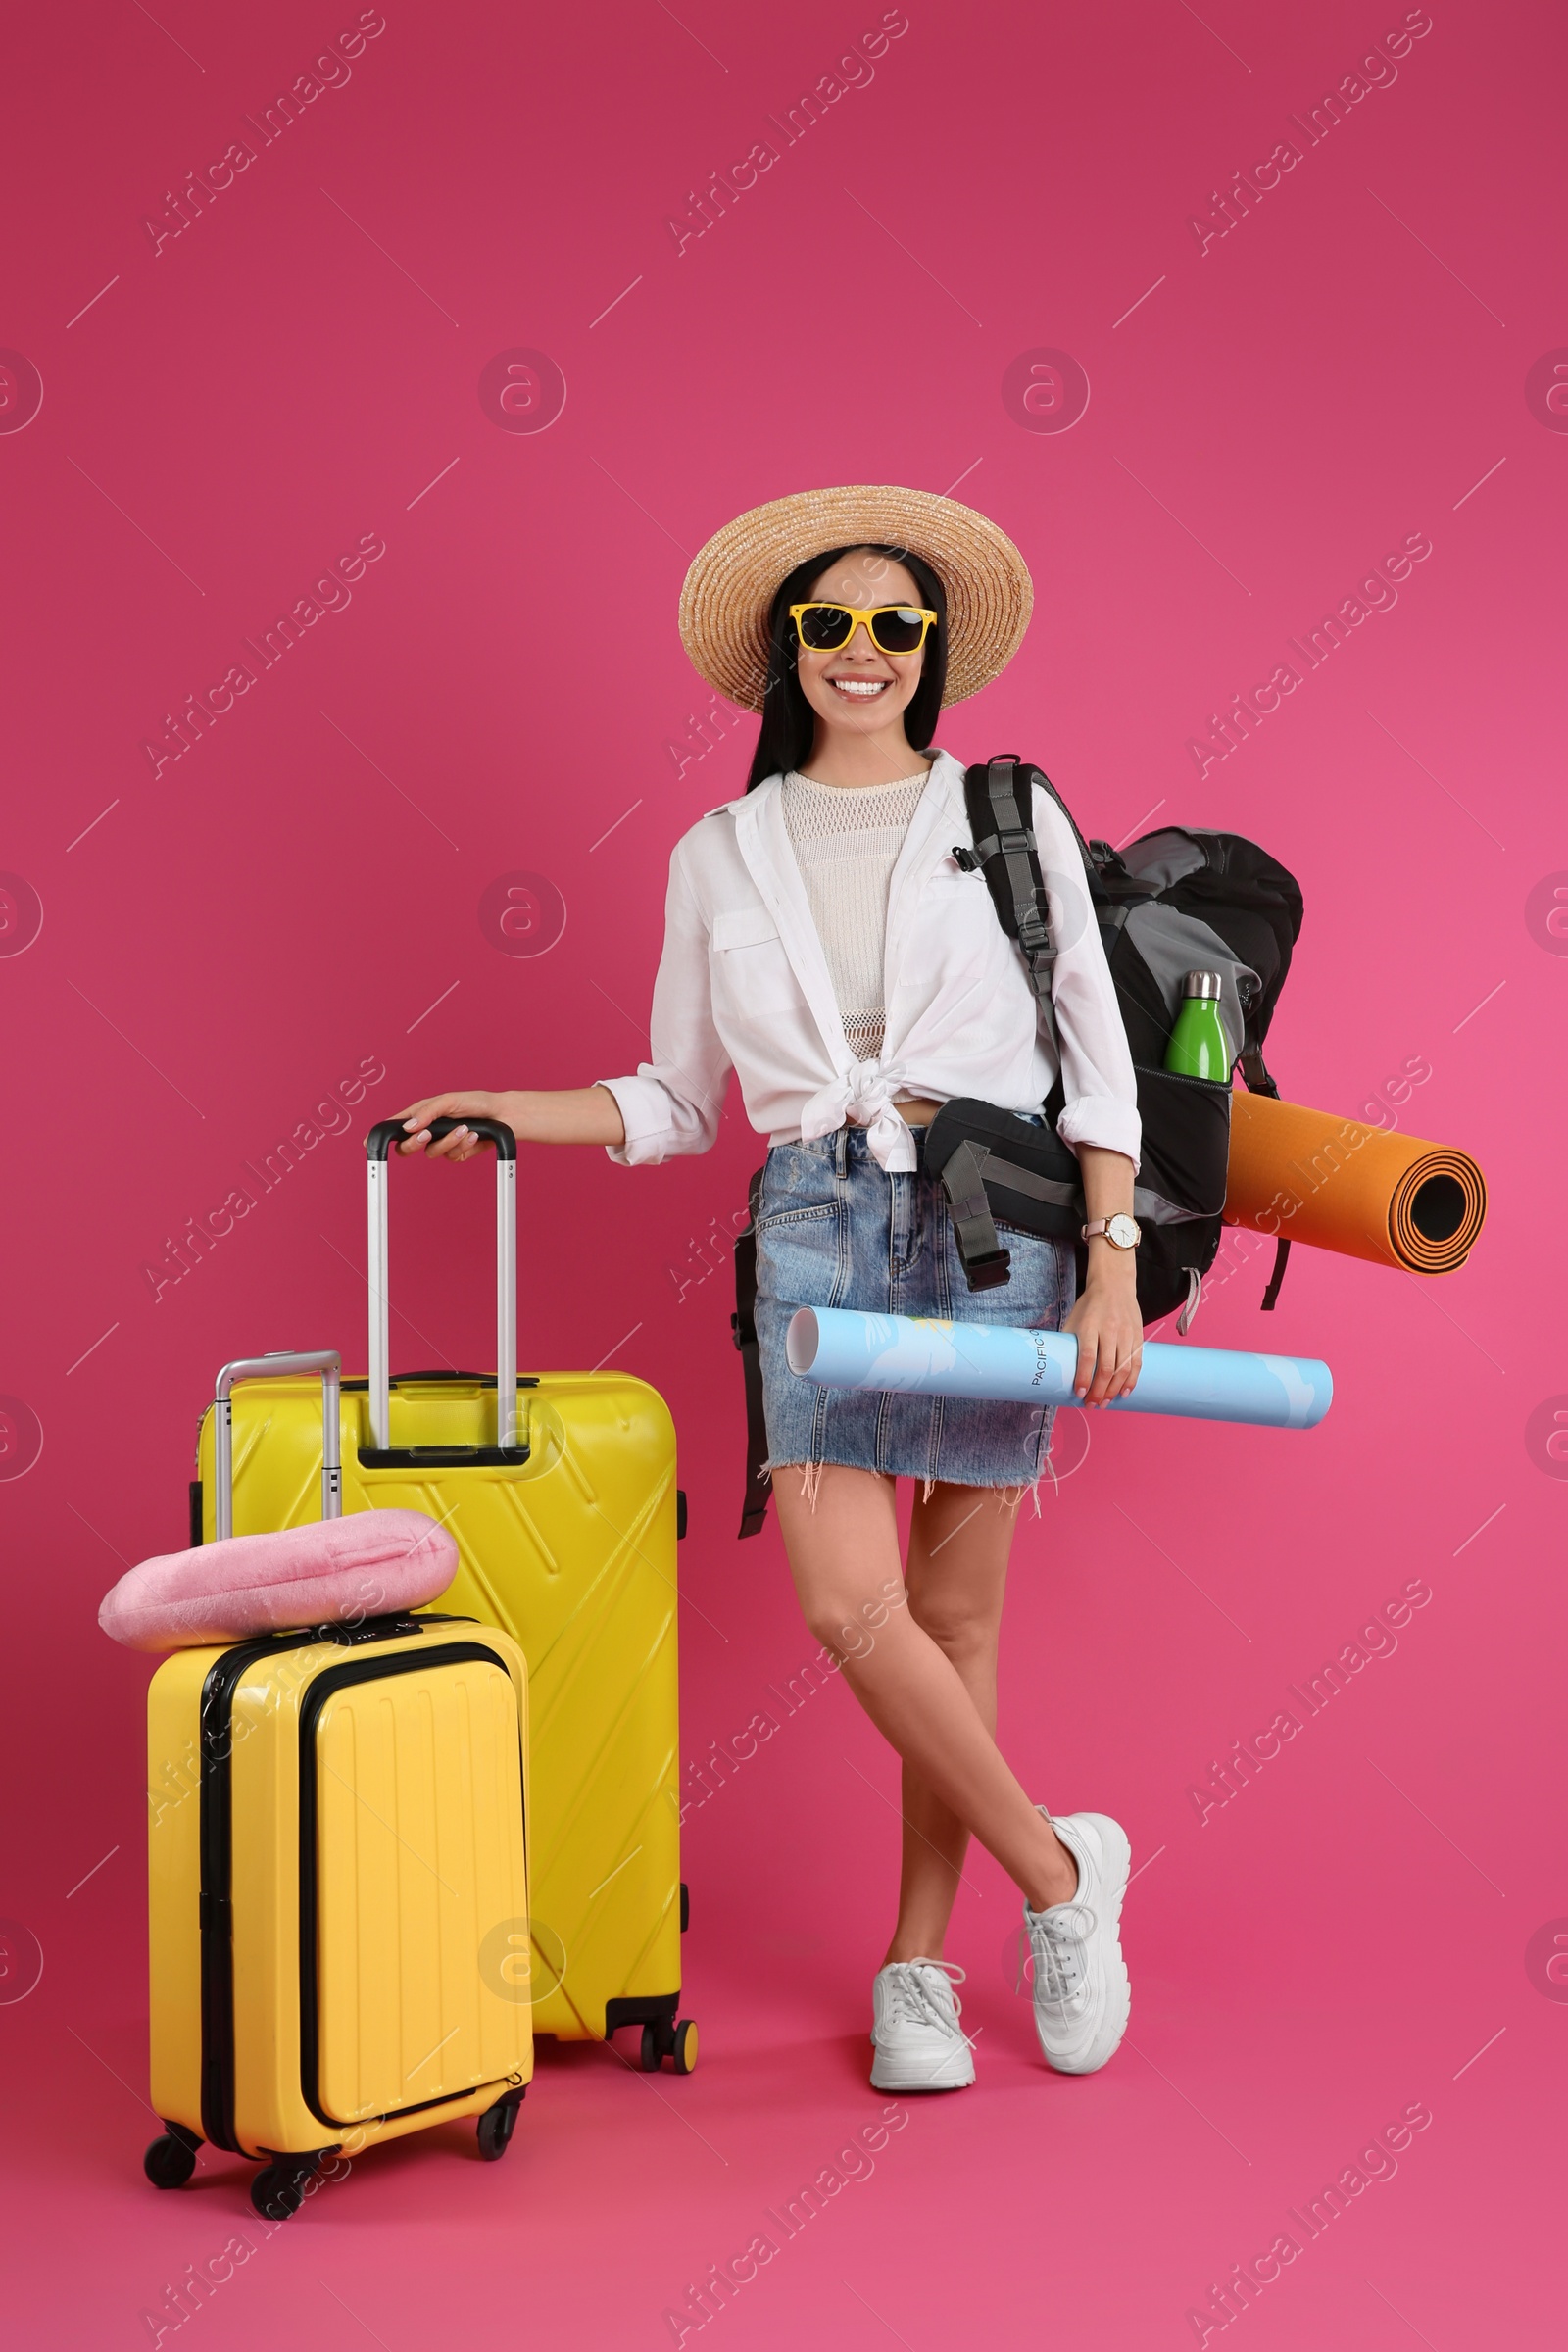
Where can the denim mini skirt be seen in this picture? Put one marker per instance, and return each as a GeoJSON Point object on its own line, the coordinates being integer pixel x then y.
{"type": "Point", "coordinates": [834, 1229]}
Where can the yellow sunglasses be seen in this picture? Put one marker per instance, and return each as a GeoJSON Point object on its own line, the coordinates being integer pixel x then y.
{"type": "Point", "coordinates": [892, 628]}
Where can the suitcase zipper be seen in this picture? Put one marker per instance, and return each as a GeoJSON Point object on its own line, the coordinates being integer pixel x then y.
{"type": "Point", "coordinates": [215, 1905]}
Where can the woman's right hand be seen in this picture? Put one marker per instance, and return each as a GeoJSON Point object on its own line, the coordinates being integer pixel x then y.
{"type": "Point", "coordinates": [462, 1144]}
{"type": "Point", "coordinates": [583, 1115]}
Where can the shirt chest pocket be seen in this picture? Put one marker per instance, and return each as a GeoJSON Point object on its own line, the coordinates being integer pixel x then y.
{"type": "Point", "coordinates": [751, 973]}
{"type": "Point", "coordinates": [956, 926]}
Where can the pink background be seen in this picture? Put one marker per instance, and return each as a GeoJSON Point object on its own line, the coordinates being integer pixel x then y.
{"type": "Point", "coordinates": [1367, 1924]}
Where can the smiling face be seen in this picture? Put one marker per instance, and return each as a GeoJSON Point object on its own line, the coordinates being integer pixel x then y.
{"type": "Point", "coordinates": [860, 690]}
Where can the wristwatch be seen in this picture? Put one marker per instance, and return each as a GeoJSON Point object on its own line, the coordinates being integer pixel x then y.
{"type": "Point", "coordinates": [1122, 1233]}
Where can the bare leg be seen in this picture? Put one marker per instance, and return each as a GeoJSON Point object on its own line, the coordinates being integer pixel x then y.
{"type": "Point", "coordinates": [960, 1541]}
{"type": "Point", "coordinates": [844, 1556]}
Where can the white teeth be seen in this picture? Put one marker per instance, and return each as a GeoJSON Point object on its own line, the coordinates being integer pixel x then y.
{"type": "Point", "coordinates": [861, 688]}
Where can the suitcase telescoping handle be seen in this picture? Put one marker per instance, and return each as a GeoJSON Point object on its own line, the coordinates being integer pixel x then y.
{"type": "Point", "coordinates": [329, 1364]}
{"type": "Point", "coordinates": [379, 1146]}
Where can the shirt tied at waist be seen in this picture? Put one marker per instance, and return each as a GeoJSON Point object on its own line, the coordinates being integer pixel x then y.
{"type": "Point", "coordinates": [863, 1098]}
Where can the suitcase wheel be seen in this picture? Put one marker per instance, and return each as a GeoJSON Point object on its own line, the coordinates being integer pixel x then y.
{"type": "Point", "coordinates": [677, 2042]}
{"type": "Point", "coordinates": [497, 2125]}
{"type": "Point", "coordinates": [278, 2188]}
{"type": "Point", "coordinates": [169, 2161]}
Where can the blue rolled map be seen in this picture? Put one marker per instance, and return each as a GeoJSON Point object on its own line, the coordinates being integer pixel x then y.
{"type": "Point", "coordinates": [841, 1349]}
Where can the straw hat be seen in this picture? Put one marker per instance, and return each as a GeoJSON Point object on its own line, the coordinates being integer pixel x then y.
{"type": "Point", "coordinates": [731, 586]}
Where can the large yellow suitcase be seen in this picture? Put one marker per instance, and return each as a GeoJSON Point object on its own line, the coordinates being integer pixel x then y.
{"type": "Point", "coordinates": [565, 1518]}
{"type": "Point", "coordinates": [338, 1889]}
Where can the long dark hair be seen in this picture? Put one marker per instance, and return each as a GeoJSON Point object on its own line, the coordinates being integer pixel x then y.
{"type": "Point", "coordinates": [788, 726]}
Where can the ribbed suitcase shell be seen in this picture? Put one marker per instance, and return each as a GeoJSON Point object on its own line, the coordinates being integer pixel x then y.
{"type": "Point", "coordinates": [351, 1851]}
{"type": "Point", "coordinates": [572, 1553]}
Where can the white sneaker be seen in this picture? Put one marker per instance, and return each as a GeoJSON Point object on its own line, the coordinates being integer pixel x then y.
{"type": "Point", "coordinates": [915, 2032]}
{"type": "Point", "coordinates": [1082, 1996]}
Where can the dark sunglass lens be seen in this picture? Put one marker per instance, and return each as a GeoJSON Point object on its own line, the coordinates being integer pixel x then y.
{"type": "Point", "coordinates": [824, 626]}
{"type": "Point", "coordinates": [899, 628]}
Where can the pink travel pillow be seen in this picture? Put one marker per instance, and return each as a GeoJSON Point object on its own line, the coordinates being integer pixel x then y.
{"type": "Point", "coordinates": [332, 1571]}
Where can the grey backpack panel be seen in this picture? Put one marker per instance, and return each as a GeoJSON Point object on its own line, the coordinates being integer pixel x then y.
{"type": "Point", "coordinates": [1172, 945]}
{"type": "Point", "coordinates": [1166, 858]}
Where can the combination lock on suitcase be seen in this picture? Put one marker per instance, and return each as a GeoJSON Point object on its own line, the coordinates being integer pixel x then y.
{"type": "Point", "coordinates": [337, 1874]}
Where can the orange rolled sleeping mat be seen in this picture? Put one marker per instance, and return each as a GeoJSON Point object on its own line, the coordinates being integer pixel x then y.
{"type": "Point", "coordinates": [1340, 1185]}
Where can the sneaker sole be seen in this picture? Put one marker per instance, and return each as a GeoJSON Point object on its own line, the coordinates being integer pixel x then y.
{"type": "Point", "coordinates": [945, 2077]}
{"type": "Point", "coordinates": [1116, 1856]}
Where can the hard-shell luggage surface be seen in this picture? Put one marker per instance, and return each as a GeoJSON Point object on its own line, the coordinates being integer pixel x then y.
{"type": "Point", "coordinates": [566, 1522]}
{"type": "Point", "coordinates": [338, 1901]}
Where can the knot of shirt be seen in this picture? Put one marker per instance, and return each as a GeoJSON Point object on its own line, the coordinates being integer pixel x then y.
{"type": "Point", "coordinates": [863, 1098]}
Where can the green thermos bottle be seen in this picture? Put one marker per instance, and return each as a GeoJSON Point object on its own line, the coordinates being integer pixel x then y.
{"type": "Point", "coordinates": [1198, 1046]}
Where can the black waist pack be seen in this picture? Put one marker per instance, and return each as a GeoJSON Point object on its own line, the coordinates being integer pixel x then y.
{"type": "Point", "coordinates": [998, 1171]}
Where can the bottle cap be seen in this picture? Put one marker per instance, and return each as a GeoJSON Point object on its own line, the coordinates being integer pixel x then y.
{"type": "Point", "coordinates": [1201, 984]}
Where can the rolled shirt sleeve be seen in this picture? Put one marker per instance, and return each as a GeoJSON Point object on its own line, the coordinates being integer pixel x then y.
{"type": "Point", "coordinates": [1097, 1064]}
{"type": "Point", "coordinates": [672, 1104]}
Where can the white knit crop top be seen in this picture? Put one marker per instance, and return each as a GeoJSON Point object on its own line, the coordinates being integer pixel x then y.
{"type": "Point", "coordinates": [846, 839]}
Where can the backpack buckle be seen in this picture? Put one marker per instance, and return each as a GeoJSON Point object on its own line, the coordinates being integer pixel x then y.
{"type": "Point", "coordinates": [989, 1270]}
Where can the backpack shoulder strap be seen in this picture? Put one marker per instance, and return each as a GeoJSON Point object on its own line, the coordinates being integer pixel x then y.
{"type": "Point", "coordinates": [742, 1324]}
{"type": "Point", "coordinates": [1259, 1082]}
{"type": "Point", "coordinates": [998, 799]}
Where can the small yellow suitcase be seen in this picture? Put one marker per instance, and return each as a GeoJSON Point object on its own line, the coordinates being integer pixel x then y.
{"type": "Point", "coordinates": [565, 1515]}
{"type": "Point", "coordinates": [338, 1885]}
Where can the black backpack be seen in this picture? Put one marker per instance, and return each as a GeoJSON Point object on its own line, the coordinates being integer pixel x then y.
{"type": "Point", "coordinates": [1172, 901]}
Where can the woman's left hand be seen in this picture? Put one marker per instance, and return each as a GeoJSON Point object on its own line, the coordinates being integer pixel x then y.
{"type": "Point", "coordinates": [1108, 1329]}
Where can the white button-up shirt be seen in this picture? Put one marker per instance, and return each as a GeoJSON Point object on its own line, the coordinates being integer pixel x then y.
{"type": "Point", "coordinates": [743, 984]}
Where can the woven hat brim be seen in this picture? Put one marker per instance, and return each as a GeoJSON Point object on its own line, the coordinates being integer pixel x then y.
{"type": "Point", "coordinates": [728, 591]}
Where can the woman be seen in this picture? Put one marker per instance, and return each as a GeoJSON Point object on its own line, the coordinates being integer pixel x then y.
{"type": "Point", "coordinates": [822, 941]}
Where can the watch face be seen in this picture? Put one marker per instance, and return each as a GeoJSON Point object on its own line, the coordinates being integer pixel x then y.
{"type": "Point", "coordinates": [1123, 1232]}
